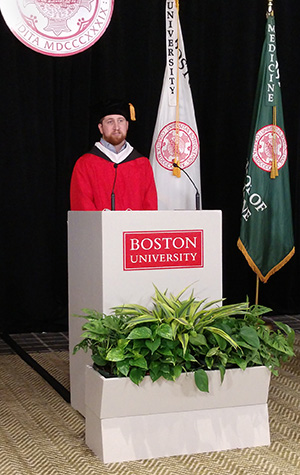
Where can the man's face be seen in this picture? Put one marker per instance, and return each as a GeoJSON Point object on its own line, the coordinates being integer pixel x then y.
{"type": "Point", "coordinates": [114, 129]}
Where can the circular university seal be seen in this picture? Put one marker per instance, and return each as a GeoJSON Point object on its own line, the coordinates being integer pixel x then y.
{"type": "Point", "coordinates": [266, 139]}
{"type": "Point", "coordinates": [165, 145]}
{"type": "Point", "coordinates": [57, 27]}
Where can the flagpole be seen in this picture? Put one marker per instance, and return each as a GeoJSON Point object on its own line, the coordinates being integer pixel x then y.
{"type": "Point", "coordinates": [176, 170]}
{"type": "Point", "coordinates": [269, 12]}
{"type": "Point", "coordinates": [257, 290]}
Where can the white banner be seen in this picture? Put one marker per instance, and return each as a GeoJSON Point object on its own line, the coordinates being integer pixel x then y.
{"type": "Point", "coordinates": [175, 130]}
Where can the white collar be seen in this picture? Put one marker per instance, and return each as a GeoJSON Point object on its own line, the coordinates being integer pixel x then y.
{"type": "Point", "coordinates": [115, 157]}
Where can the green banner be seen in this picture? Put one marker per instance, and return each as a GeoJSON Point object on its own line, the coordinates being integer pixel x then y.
{"type": "Point", "coordinates": [266, 235]}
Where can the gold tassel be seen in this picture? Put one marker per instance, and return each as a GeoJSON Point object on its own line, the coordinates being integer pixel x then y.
{"type": "Point", "coordinates": [274, 169]}
{"type": "Point", "coordinates": [176, 171]}
{"type": "Point", "coordinates": [132, 112]}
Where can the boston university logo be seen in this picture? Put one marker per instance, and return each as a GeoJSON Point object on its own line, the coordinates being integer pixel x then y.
{"type": "Point", "coordinates": [57, 27]}
{"type": "Point", "coordinates": [162, 249]}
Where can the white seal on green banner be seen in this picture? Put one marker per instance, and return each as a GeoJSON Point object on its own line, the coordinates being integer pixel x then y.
{"type": "Point", "coordinates": [57, 27]}
{"type": "Point", "coordinates": [268, 139]}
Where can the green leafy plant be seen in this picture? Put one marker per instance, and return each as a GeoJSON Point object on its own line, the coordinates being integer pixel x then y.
{"type": "Point", "coordinates": [183, 335]}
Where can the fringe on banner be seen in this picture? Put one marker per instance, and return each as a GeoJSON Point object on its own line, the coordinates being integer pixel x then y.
{"type": "Point", "coordinates": [264, 278]}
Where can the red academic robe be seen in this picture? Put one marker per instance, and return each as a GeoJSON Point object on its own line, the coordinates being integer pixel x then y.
{"type": "Point", "coordinates": [95, 177]}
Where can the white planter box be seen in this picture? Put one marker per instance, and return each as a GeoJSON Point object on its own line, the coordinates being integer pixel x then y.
{"type": "Point", "coordinates": [129, 422]}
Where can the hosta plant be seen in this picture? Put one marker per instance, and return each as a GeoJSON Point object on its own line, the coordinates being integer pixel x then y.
{"type": "Point", "coordinates": [182, 335]}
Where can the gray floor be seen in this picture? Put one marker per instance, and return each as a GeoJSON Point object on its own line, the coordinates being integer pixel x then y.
{"type": "Point", "coordinates": [37, 342]}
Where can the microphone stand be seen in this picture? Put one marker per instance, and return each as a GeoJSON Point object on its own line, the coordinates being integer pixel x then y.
{"type": "Point", "coordinates": [197, 192]}
{"type": "Point", "coordinates": [112, 196]}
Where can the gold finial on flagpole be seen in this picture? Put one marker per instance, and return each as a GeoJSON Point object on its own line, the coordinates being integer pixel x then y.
{"type": "Point", "coordinates": [270, 8]}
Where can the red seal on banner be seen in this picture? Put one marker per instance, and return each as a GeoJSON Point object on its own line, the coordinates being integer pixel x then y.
{"type": "Point", "coordinates": [57, 27]}
{"type": "Point", "coordinates": [165, 145]}
{"type": "Point", "coordinates": [266, 139]}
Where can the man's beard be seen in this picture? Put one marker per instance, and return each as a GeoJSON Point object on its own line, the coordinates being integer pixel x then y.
{"type": "Point", "coordinates": [115, 139]}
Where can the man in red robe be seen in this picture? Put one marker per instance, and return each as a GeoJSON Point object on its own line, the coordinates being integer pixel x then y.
{"type": "Point", "coordinates": [113, 175]}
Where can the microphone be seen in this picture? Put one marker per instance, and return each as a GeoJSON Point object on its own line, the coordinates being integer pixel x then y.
{"type": "Point", "coordinates": [112, 196]}
{"type": "Point", "coordinates": [197, 191]}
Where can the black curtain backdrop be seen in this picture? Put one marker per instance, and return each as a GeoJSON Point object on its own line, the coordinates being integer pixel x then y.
{"type": "Point", "coordinates": [46, 125]}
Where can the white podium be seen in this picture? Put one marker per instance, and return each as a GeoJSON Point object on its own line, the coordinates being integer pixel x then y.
{"type": "Point", "coordinates": [116, 257]}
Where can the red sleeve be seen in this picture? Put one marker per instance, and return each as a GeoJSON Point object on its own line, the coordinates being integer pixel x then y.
{"type": "Point", "coordinates": [81, 194]}
{"type": "Point", "coordinates": [150, 198]}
